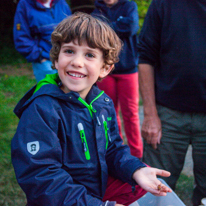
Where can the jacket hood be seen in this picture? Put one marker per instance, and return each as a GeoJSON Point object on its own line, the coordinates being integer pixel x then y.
{"type": "Point", "coordinates": [100, 3]}
{"type": "Point", "coordinates": [50, 86]}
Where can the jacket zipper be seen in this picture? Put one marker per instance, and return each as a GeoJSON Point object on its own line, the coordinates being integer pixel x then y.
{"type": "Point", "coordinates": [81, 128]}
{"type": "Point", "coordinates": [84, 140]}
{"type": "Point", "coordinates": [106, 131]}
{"type": "Point", "coordinates": [89, 106]}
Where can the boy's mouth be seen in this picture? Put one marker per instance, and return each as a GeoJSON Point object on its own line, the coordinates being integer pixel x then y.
{"type": "Point", "coordinates": [76, 75]}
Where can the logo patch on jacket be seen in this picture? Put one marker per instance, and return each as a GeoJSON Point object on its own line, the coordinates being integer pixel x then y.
{"type": "Point", "coordinates": [33, 147]}
{"type": "Point", "coordinates": [18, 27]}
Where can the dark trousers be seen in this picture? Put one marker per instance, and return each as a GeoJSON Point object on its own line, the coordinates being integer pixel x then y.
{"type": "Point", "coordinates": [179, 129]}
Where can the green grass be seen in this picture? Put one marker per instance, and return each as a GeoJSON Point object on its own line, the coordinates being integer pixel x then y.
{"type": "Point", "coordinates": [184, 188]}
{"type": "Point", "coordinates": [12, 88]}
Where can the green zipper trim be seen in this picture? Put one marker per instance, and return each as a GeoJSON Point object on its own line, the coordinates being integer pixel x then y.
{"type": "Point", "coordinates": [89, 106]}
{"type": "Point", "coordinates": [81, 129]}
{"type": "Point", "coordinates": [106, 131]}
{"type": "Point", "coordinates": [49, 79]}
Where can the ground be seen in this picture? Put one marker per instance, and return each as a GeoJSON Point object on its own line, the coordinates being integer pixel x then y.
{"type": "Point", "coordinates": [17, 70]}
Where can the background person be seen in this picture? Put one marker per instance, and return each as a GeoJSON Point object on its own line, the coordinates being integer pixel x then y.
{"type": "Point", "coordinates": [172, 70]}
{"type": "Point", "coordinates": [122, 84]}
{"type": "Point", "coordinates": [34, 22]}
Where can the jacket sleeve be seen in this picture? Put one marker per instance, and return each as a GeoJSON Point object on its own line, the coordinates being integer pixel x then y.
{"type": "Point", "coordinates": [127, 25]}
{"type": "Point", "coordinates": [39, 171]}
{"type": "Point", "coordinates": [149, 38]}
{"type": "Point", "coordinates": [121, 164]}
{"type": "Point", "coordinates": [25, 44]}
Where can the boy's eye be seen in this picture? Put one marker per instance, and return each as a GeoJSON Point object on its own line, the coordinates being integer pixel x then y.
{"type": "Point", "coordinates": [69, 51]}
{"type": "Point", "coordinates": [90, 55]}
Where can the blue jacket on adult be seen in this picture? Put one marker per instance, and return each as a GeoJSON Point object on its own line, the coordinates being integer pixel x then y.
{"type": "Point", "coordinates": [64, 147]}
{"type": "Point", "coordinates": [125, 22]}
{"type": "Point", "coordinates": [173, 41]}
{"type": "Point", "coordinates": [33, 25]}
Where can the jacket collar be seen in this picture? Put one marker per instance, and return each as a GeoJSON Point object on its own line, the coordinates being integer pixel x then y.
{"type": "Point", "coordinates": [54, 91]}
{"type": "Point", "coordinates": [39, 5]}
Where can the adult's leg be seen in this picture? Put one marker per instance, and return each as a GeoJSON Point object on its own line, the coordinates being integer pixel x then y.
{"type": "Point", "coordinates": [170, 153]}
{"type": "Point", "coordinates": [199, 156]}
{"type": "Point", "coordinates": [109, 86]}
{"type": "Point", "coordinates": [42, 69]}
{"type": "Point", "coordinates": [128, 90]}
{"type": "Point", "coordinates": [122, 192]}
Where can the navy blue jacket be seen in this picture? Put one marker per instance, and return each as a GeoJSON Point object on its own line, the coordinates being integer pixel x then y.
{"type": "Point", "coordinates": [49, 155]}
{"type": "Point", "coordinates": [33, 25]}
{"type": "Point", "coordinates": [125, 22]}
{"type": "Point", "coordinates": [173, 40]}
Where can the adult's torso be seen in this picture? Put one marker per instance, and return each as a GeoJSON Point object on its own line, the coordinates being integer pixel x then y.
{"type": "Point", "coordinates": [180, 73]}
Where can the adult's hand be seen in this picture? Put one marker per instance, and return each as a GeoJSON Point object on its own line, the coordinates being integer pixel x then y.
{"type": "Point", "coordinates": [119, 205]}
{"type": "Point", "coordinates": [151, 127]}
{"type": "Point", "coordinates": [151, 130]}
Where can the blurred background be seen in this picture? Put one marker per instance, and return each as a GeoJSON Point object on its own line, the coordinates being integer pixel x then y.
{"type": "Point", "coordinates": [7, 11]}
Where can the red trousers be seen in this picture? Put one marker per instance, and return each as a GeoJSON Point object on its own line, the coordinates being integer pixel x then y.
{"type": "Point", "coordinates": [122, 192]}
{"type": "Point", "coordinates": [123, 89]}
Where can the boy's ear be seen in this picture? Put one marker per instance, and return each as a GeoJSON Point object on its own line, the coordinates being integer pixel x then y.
{"type": "Point", "coordinates": [56, 65]}
{"type": "Point", "coordinates": [106, 70]}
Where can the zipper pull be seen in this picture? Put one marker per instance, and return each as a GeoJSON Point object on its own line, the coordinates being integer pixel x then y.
{"type": "Point", "coordinates": [85, 148]}
{"type": "Point", "coordinates": [84, 140]}
{"type": "Point", "coordinates": [103, 118]}
{"type": "Point", "coordinates": [109, 137]}
{"type": "Point", "coordinates": [99, 123]}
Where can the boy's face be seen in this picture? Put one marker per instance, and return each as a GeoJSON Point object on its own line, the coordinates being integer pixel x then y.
{"type": "Point", "coordinates": [110, 3]}
{"type": "Point", "coordinates": [79, 67]}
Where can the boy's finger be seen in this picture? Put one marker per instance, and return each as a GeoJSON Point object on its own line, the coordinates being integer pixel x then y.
{"type": "Point", "coordinates": [160, 190]}
{"type": "Point", "coordinates": [156, 192]}
{"type": "Point", "coordinates": [163, 173]}
{"type": "Point", "coordinates": [163, 188]}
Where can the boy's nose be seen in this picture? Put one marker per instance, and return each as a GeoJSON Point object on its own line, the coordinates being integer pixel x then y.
{"type": "Point", "coordinates": [77, 61]}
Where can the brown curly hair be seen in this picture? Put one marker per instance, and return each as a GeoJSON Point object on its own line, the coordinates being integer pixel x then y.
{"type": "Point", "coordinates": [84, 27]}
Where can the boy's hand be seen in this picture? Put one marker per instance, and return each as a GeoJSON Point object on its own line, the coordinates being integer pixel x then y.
{"type": "Point", "coordinates": [43, 60]}
{"type": "Point", "coordinates": [118, 205]}
{"type": "Point", "coordinates": [146, 178]}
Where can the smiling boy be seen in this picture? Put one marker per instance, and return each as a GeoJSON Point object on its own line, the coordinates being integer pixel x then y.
{"type": "Point", "coordinates": [79, 158]}
{"type": "Point", "coordinates": [79, 67]}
